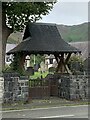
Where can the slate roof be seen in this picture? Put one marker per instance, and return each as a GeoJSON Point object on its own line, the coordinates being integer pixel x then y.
{"type": "Point", "coordinates": [43, 38]}
{"type": "Point", "coordinates": [83, 47]}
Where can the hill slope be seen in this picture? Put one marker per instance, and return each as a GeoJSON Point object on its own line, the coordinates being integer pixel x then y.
{"type": "Point", "coordinates": [75, 33]}
{"type": "Point", "coordinates": [15, 38]}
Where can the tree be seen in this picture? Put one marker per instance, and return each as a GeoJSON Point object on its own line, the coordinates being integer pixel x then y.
{"type": "Point", "coordinates": [76, 63]}
{"type": "Point", "coordinates": [15, 16]}
{"type": "Point", "coordinates": [38, 59]}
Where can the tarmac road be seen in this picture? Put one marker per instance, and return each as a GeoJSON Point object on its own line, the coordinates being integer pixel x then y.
{"type": "Point", "coordinates": [80, 111]}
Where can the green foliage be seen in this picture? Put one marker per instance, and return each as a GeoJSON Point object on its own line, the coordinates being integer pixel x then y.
{"type": "Point", "coordinates": [38, 75]}
{"type": "Point", "coordinates": [76, 58]}
{"type": "Point", "coordinates": [76, 64]}
{"type": "Point", "coordinates": [52, 69]}
{"type": "Point", "coordinates": [19, 13]}
{"type": "Point", "coordinates": [7, 69]}
{"type": "Point", "coordinates": [16, 65]}
{"type": "Point", "coordinates": [38, 59]}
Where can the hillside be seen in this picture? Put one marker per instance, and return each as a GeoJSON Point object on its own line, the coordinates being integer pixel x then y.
{"type": "Point", "coordinates": [75, 33]}
{"type": "Point", "coordinates": [15, 38]}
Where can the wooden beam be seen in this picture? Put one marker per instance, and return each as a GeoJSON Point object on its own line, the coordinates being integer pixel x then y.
{"type": "Point", "coordinates": [68, 57]}
{"type": "Point", "coordinates": [62, 66]}
{"type": "Point", "coordinates": [56, 57]}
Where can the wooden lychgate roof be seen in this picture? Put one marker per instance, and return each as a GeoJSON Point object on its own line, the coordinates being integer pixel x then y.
{"type": "Point", "coordinates": [43, 38]}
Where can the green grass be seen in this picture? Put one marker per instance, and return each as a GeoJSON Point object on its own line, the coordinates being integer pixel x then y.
{"type": "Point", "coordinates": [38, 75]}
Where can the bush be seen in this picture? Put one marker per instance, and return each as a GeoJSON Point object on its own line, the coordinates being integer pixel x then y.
{"type": "Point", "coordinates": [52, 69]}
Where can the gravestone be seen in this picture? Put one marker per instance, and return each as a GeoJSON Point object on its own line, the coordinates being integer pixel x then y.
{"type": "Point", "coordinates": [30, 71]}
{"type": "Point", "coordinates": [42, 66]}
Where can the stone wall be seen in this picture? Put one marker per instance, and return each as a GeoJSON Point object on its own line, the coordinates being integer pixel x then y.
{"type": "Point", "coordinates": [15, 88]}
{"type": "Point", "coordinates": [73, 87]}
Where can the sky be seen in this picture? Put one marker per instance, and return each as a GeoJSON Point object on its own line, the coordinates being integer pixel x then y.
{"type": "Point", "coordinates": [68, 12]}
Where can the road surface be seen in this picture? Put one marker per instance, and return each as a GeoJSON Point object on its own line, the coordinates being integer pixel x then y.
{"type": "Point", "coordinates": [80, 111]}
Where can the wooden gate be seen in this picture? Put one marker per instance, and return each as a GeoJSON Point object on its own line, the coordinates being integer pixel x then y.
{"type": "Point", "coordinates": [43, 88]}
{"type": "Point", "coordinates": [39, 88]}
{"type": "Point", "coordinates": [53, 88]}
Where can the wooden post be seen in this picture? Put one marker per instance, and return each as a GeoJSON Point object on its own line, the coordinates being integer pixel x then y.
{"type": "Point", "coordinates": [22, 61]}
{"type": "Point", "coordinates": [62, 69]}
{"type": "Point", "coordinates": [62, 66]}
{"type": "Point", "coordinates": [68, 57]}
{"type": "Point", "coordinates": [66, 61]}
{"type": "Point", "coordinates": [56, 57]}
{"type": "Point", "coordinates": [60, 61]}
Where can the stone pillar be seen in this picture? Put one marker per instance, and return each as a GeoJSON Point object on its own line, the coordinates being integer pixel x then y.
{"type": "Point", "coordinates": [0, 38]}
{"type": "Point", "coordinates": [1, 95]}
{"type": "Point", "coordinates": [1, 78]}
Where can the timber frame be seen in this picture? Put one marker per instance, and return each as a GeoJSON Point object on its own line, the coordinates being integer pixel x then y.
{"type": "Point", "coordinates": [45, 38]}
{"type": "Point", "coordinates": [62, 66]}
